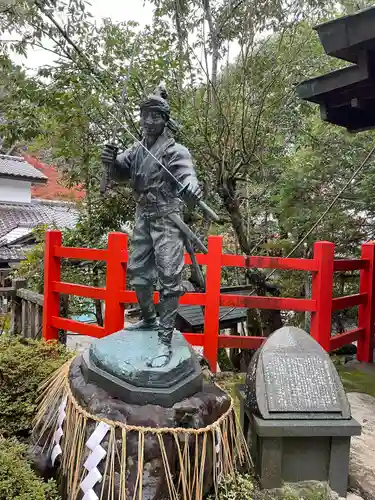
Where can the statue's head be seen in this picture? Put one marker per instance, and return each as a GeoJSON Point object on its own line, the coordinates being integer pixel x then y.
{"type": "Point", "coordinates": [155, 112]}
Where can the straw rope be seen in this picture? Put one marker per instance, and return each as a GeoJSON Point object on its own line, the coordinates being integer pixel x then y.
{"type": "Point", "coordinates": [222, 441]}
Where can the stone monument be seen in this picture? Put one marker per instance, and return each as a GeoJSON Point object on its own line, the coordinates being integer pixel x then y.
{"type": "Point", "coordinates": [295, 413]}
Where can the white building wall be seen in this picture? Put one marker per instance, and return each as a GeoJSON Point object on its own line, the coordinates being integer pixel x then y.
{"type": "Point", "coordinates": [13, 190]}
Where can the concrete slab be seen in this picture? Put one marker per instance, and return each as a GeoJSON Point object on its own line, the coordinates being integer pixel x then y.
{"type": "Point", "coordinates": [362, 452]}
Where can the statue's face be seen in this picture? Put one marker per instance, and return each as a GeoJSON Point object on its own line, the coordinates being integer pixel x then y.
{"type": "Point", "coordinates": [152, 122]}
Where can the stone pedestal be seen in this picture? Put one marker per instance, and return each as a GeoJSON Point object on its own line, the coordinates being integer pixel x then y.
{"type": "Point", "coordinates": [118, 380]}
{"type": "Point", "coordinates": [287, 451]}
{"type": "Point", "coordinates": [197, 411]}
{"type": "Point", "coordinates": [133, 366]}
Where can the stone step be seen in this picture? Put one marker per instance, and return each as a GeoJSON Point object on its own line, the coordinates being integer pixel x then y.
{"type": "Point", "coordinates": [78, 343]}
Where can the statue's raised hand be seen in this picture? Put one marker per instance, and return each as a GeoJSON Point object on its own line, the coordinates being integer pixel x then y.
{"type": "Point", "coordinates": [109, 154]}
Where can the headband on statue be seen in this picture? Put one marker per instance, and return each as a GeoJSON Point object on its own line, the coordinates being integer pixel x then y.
{"type": "Point", "coordinates": [157, 101]}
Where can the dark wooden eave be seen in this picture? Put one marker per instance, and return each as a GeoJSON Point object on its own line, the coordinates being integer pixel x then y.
{"type": "Point", "coordinates": [347, 36]}
{"type": "Point", "coordinates": [347, 96]}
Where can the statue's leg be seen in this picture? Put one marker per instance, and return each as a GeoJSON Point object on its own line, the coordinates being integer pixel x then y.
{"type": "Point", "coordinates": [169, 257]}
{"type": "Point", "coordinates": [142, 273]}
{"type": "Point", "coordinates": [145, 297]}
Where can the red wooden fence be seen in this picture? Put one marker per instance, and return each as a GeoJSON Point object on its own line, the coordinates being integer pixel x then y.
{"type": "Point", "coordinates": [323, 265]}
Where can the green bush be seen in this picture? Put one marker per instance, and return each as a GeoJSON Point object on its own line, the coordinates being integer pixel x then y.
{"type": "Point", "coordinates": [245, 487]}
{"type": "Point", "coordinates": [24, 365]}
{"type": "Point", "coordinates": [4, 323]}
{"type": "Point", "coordinates": [239, 488]}
{"type": "Point", "coordinates": [17, 479]}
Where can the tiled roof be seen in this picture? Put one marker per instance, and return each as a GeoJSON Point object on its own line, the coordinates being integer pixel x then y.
{"type": "Point", "coordinates": [17, 220]}
{"type": "Point", "coordinates": [193, 315]}
{"type": "Point", "coordinates": [13, 254]}
{"type": "Point", "coordinates": [15, 166]}
{"type": "Point", "coordinates": [16, 233]}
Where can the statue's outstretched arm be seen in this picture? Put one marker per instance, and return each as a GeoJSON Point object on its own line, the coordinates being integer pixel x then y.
{"type": "Point", "coordinates": [117, 165]}
{"type": "Point", "coordinates": [120, 168]}
{"type": "Point", "coordinates": [181, 165]}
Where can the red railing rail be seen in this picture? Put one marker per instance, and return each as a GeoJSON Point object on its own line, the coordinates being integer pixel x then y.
{"type": "Point", "coordinates": [321, 305]}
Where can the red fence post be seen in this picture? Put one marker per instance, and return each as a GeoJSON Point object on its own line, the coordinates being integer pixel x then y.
{"type": "Point", "coordinates": [52, 272]}
{"type": "Point", "coordinates": [212, 308]}
{"type": "Point", "coordinates": [115, 282]}
{"type": "Point", "coordinates": [366, 312]}
{"type": "Point", "coordinates": [322, 285]}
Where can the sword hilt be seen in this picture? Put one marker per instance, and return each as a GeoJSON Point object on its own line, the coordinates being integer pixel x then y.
{"type": "Point", "coordinates": [208, 211]}
{"type": "Point", "coordinates": [182, 190]}
{"type": "Point", "coordinates": [204, 207]}
{"type": "Point", "coordinates": [104, 181]}
{"type": "Point", "coordinates": [105, 176]}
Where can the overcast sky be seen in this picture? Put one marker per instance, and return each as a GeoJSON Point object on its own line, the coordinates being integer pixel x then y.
{"type": "Point", "coordinates": [117, 10]}
{"type": "Point", "coordinates": [120, 10]}
{"type": "Point", "coordinates": [140, 11]}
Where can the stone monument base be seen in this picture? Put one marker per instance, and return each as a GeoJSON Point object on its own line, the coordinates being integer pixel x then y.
{"type": "Point", "coordinates": [291, 451]}
{"type": "Point", "coordinates": [143, 457]}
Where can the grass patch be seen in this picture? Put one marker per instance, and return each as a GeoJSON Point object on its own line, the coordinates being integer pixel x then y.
{"type": "Point", "coordinates": [228, 381]}
{"type": "Point", "coordinates": [246, 487]}
{"type": "Point", "coordinates": [356, 380]}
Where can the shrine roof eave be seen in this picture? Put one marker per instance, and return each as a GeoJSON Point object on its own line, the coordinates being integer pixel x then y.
{"type": "Point", "coordinates": [322, 88]}
{"type": "Point", "coordinates": [347, 37]}
{"type": "Point", "coordinates": [346, 98]}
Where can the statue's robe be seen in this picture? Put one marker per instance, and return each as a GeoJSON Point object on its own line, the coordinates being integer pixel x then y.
{"type": "Point", "coordinates": [157, 244]}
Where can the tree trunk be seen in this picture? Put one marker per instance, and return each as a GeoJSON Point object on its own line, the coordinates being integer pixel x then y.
{"type": "Point", "coordinates": [181, 36]}
{"type": "Point", "coordinates": [228, 193]}
{"type": "Point", "coordinates": [64, 313]}
{"type": "Point", "coordinates": [99, 312]}
{"type": "Point", "coordinates": [215, 49]}
{"type": "Point", "coordinates": [97, 302]}
{"type": "Point", "coordinates": [270, 320]}
{"type": "Point", "coordinates": [254, 328]}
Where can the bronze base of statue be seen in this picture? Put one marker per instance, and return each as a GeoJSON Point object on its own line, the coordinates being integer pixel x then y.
{"type": "Point", "coordinates": [143, 367]}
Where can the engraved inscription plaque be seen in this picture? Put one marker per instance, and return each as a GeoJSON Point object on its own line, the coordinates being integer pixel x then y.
{"type": "Point", "coordinates": [292, 377]}
{"type": "Point", "coordinates": [299, 383]}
